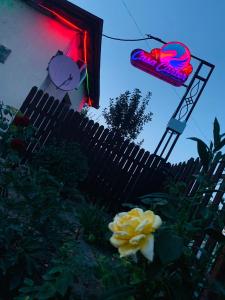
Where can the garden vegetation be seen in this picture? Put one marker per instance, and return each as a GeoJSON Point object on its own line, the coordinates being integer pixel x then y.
{"type": "Point", "coordinates": [56, 243]}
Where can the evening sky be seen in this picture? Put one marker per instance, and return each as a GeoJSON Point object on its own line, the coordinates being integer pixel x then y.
{"type": "Point", "coordinates": [198, 24]}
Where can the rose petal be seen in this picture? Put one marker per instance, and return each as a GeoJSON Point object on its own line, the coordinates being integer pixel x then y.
{"type": "Point", "coordinates": [148, 248]}
{"type": "Point", "coordinates": [117, 242]}
{"type": "Point", "coordinates": [157, 222]}
{"type": "Point", "coordinates": [137, 239]}
{"type": "Point", "coordinates": [128, 250]}
{"type": "Point", "coordinates": [149, 214]}
{"type": "Point", "coordinates": [122, 235]}
{"type": "Point", "coordinates": [119, 215]}
{"type": "Point", "coordinates": [135, 212]}
{"type": "Point", "coordinates": [111, 226]}
{"type": "Point", "coordinates": [142, 225]}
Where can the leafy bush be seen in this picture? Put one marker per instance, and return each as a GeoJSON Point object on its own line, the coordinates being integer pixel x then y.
{"type": "Point", "coordinates": [54, 240]}
{"type": "Point", "coordinates": [93, 220]}
{"type": "Point", "coordinates": [36, 222]}
{"type": "Point", "coordinates": [65, 162]}
{"type": "Point", "coordinates": [69, 276]}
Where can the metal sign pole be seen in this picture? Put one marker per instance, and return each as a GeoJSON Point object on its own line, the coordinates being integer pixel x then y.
{"type": "Point", "coordinates": [177, 123]}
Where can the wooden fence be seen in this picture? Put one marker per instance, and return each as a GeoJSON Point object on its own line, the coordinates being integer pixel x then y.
{"type": "Point", "coordinates": [119, 170]}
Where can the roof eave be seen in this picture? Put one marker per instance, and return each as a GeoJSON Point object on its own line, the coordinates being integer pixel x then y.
{"type": "Point", "coordinates": [94, 26]}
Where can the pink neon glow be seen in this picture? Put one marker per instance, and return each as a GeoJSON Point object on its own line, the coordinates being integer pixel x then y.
{"type": "Point", "coordinates": [74, 53]}
{"type": "Point", "coordinates": [171, 63]}
{"type": "Point", "coordinates": [60, 18]}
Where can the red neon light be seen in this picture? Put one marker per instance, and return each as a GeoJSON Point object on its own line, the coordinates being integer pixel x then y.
{"type": "Point", "coordinates": [62, 19]}
{"type": "Point", "coordinates": [70, 24]}
{"type": "Point", "coordinates": [171, 63]}
{"type": "Point", "coordinates": [85, 47]}
{"type": "Point", "coordinates": [90, 101]}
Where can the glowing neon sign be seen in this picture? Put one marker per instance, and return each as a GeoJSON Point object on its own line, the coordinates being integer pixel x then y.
{"type": "Point", "coordinates": [171, 63]}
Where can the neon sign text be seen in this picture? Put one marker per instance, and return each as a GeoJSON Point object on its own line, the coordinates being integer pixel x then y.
{"type": "Point", "coordinates": [171, 63]}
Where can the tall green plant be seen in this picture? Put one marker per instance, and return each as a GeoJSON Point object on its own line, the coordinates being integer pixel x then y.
{"type": "Point", "coordinates": [209, 153]}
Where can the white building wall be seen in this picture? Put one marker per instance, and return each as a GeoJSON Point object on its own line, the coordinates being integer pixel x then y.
{"type": "Point", "coordinates": [33, 38]}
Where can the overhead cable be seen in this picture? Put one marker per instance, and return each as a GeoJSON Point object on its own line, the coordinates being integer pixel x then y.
{"type": "Point", "coordinates": [125, 40]}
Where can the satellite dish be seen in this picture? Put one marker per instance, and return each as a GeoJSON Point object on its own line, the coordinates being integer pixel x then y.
{"type": "Point", "coordinates": [65, 73]}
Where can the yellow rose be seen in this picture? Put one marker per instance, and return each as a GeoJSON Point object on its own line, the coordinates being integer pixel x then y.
{"type": "Point", "coordinates": [133, 231]}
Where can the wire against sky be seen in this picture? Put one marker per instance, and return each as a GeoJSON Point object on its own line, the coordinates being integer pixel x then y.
{"type": "Point", "coordinates": [149, 37]}
{"type": "Point", "coordinates": [135, 22]}
{"type": "Point", "coordinates": [125, 40]}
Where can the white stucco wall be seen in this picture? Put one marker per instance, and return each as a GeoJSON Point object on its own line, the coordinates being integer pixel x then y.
{"type": "Point", "coordinates": [33, 38]}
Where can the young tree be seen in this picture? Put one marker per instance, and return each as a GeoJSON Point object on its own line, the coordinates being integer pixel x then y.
{"type": "Point", "coordinates": [127, 115]}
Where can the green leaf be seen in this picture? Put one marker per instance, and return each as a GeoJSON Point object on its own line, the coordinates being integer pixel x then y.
{"type": "Point", "coordinates": [63, 282]}
{"type": "Point", "coordinates": [47, 291]}
{"type": "Point", "coordinates": [27, 289]}
{"type": "Point", "coordinates": [211, 146]}
{"type": "Point", "coordinates": [216, 133]}
{"type": "Point", "coordinates": [203, 152]}
{"type": "Point", "coordinates": [155, 202]}
{"type": "Point", "coordinates": [155, 199]}
{"type": "Point", "coordinates": [155, 195]}
{"type": "Point", "coordinates": [168, 211]}
{"type": "Point", "coordinates": [28, 282]}
{"type": "Point", "coordinates": [218, 156]}
{"type": "Point", "coordinates": [55, 270]}
{"type": "Point", "coordinates": [129, 205]}
{"type": "Point", "coordinates": [168, 246]}
{"type": "Point", "coordinates": [119, 293]}
{"type": "Point", "coordinates": [220, 146]}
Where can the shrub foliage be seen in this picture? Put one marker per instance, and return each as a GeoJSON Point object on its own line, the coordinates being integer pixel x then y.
{"type": "Point", "coordinates": [54, 240]}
